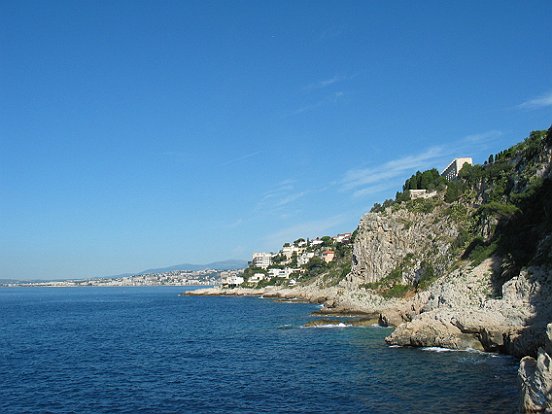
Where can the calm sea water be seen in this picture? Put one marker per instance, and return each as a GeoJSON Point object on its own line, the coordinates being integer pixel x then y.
{"type": "Point", "coordinates": [147, 350]}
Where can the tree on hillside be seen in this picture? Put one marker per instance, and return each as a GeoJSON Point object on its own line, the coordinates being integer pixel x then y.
{"type": "Point", "coordinates": [293, 262]}
{"type": "Point", "coordinates": [328, 241]}
{"type": "Point", "coordinates": [428, 180]}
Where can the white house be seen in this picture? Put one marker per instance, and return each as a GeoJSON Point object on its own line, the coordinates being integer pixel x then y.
{"type": "Point", "coordinates": [282, 273]}
{"type": "Point", "coordinates": [274, 273]}
{"type": "Point", "coordinates": [256, 278]}
{"type": "Point", "coordinates": [343, 237]}
{"type": "Point", "coordinates": [304, 258]}
{"type": "Point", "coordinates": [232, 281]}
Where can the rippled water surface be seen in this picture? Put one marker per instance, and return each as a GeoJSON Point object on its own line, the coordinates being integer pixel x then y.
{"type": "Point", "coordinates": [147, 350]}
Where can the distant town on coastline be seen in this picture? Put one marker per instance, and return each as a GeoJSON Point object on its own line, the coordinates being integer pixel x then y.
{"type": "Point", "coordinates": [295, 262]}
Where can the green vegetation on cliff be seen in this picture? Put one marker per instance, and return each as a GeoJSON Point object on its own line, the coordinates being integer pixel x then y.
{"type": "Point", "coordinates": [513, 193]}
{"type": "Point", "coordinates": [501, 208]}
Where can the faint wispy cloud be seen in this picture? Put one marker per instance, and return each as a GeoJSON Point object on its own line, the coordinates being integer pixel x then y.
{"type": "Point", "coordinates": [309, 229]}
{"type": "Point", "coordinates": [240, 158]}
{"type": "Point", "coordinates": [483, 137]}
{"type": "Point", "coordinates": [330, 99]}
{"type": "Point", "coordinates": [474, 144]}
{"type": "Point", "coordinates": [324, 83]}
{"type": "Point", "coordinates": [374, 189]}
{"type": "Point", "coordinates": [289, 199]}
{"type": "Point", "coordinates": [365, 181]}
{"type": "Point", "coordinates": [538, 102]}
{"type": "Point", "coordinates": [281, 188]}
{"type": "Point", "coordinates": [282, 195]}
{"type": "Point", "coordinates": [329, 82]}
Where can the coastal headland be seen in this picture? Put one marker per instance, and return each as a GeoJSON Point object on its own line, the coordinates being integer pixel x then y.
{"type": "Point", "coordinates": [461, 259]}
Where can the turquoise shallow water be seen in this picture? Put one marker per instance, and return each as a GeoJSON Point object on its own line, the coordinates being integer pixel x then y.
{"type": "Point", "coordinates": [147, 350]}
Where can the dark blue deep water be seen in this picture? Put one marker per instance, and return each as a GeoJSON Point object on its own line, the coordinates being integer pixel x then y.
{"type": "Point", "coordinates": [147, 350]}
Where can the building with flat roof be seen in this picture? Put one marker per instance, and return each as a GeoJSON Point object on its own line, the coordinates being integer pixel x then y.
{"type": "Point", "coordinates": [262, 260]}
{"type": "Point", "coordinates": [452, 170]}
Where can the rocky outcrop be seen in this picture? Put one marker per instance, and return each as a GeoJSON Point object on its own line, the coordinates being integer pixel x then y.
{"type": "Point", "coordinates": [385, 239]}
{"type": "Point", "coordinates": [459, 313]}
{"type": "Point", "coordinates": [421, 246]}
{"type": "Point", "coordinates": [536, 379]}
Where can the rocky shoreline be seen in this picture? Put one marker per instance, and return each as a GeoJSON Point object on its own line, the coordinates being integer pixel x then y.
{"type": "Point", "coordinates": [453, 313]}
{"type": "Point", "coordinates": [467, 269]}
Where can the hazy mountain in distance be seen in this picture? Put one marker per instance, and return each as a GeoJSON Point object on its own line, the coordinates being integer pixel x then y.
{"type": "Point", "coordinates": [222, 265]}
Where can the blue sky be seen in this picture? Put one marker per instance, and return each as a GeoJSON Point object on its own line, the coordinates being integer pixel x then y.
{"type": "Point", "coordinates": [138, 134]}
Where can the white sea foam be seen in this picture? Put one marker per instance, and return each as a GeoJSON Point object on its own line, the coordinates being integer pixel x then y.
{"type": "Point", "coordinates": [330, 325]}
{"type": "Point", "coordinates": [438, 349]}
{"type": "Point", "coordinates": [470, 350]}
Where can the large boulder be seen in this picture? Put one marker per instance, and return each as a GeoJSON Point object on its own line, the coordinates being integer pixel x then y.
{"type": "Point", "coordinates": [536, 379]}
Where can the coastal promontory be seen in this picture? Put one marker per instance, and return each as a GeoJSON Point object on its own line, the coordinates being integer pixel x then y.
{"type": "Point", "coordinates": [460, 260]}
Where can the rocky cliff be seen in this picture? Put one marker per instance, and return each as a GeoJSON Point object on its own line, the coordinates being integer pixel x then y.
{"type": "Point", "coordinates": [468, 268]}
{"type": "Point", "coordinates": [471, 268]}
{"type": "Point", "coordinates": [407, 239]}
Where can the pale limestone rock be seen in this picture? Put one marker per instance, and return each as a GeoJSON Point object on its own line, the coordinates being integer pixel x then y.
{"type": "Point", "coordinates": [536, 379]}
{"type": "Point", "coordinates": [462, 288]}
{"type": "Point", "coordinates": [384, 239]}
{"type": "Point", "coordinates": [430, 329]}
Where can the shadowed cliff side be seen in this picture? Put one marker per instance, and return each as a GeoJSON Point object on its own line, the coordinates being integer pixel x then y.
{"type": "Point", "coordinates": [471, 267]}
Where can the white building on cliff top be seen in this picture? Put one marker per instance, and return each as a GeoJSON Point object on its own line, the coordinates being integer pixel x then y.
{"type": "Point", "coordinates": [452, 170]}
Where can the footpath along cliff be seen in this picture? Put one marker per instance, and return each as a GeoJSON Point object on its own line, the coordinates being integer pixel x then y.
{"type": "Point", "coordinates": [468, 267]}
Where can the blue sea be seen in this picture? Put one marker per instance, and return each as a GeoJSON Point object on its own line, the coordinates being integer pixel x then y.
{"type": "Point", "coordinates": [148, 350]}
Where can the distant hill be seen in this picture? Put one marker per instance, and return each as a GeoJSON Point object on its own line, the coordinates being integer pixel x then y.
{"type": "Point", "coordinates": [223, 265]}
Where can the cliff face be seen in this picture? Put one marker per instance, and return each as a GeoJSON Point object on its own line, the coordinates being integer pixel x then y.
{"type": "Point", "coordinates": [485, 248]}
{"type": "Point", "coordinates": [405, 239]}
{"type": "Point", "coordinates": [471, 271]}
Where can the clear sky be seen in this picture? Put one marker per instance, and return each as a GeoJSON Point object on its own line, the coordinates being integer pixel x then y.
{"type": "Point", "coordinates": [137, 134]}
